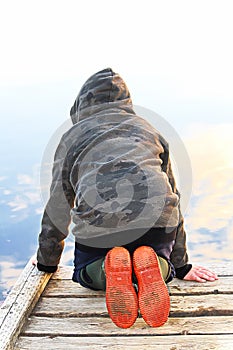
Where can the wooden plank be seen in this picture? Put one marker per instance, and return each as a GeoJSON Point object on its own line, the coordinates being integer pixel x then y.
{"type": "Point", "coordinates": [101, 326]}
{"type": "Point", "coordinates": [68, 288]}
{"type": "Point", "coordinates": [204, 305]}
{"type": "Point", "coordinates": [190, 342]}
{"type": "Point", "coordinates": [19, 304]}
{"type": "Point", "coordinates": [63, 273]}
{"type": "Point", "coordinates": [64, 288]}
{"type": "Point", "coordinates": [224, 285]}
{"type": "Point", "coordinates": [222, 269]}
{"type": "Point", "coordinates": [69, 309]}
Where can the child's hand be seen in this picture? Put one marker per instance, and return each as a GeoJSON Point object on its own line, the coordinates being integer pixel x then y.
{"type": "Point", "coordinates": [200, 274]}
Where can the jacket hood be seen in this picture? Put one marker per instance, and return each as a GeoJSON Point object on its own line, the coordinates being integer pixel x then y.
{"type": "Point", "coordinates": [103, 87]}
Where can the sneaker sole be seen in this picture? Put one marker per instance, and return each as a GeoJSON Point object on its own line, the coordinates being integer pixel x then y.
{"type": "Point", "coordinates": [153, 296]}
{"type": "Point", "coordinates": [121, 297]}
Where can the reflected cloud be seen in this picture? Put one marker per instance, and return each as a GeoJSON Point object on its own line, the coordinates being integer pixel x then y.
{"type": "Point", "coordinates": [9, 273]}
{"type": "Point", "coordinates": [24, 196]}
{"type": "Point", "coordinates": [18, 203]}
{"type": "Point", "coordinates": [2, 178]}
{"type": "Point", "coordinates": [210, 213]}
{"type": "Point", "coordinates": [210, 149]}
{"type": "Point", "coordinates": [23, 201]}
{"type": "Point", "coordinates": [39, 211]}
{"type": "Point", "coordinates": [7, 192]}
{"type": "Point", "coordinates": [24, 179]}
{"type": "Point", "coordinates": [212, 205]}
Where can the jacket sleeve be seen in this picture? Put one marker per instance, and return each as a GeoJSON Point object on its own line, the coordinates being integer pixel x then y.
{"type": "Point", "coordinates": [179, 255]}
{"type": "Point", "coordinates": [56, 217]}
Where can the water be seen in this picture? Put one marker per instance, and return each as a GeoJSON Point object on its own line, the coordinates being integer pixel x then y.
{"type": "Point", "coordinates": [208, 216]}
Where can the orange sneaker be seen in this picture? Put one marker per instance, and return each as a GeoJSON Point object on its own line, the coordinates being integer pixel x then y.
{"type": "Point", "coordinates": [153, 296]}
{"type": "Point", "coordinates": [121, 297]}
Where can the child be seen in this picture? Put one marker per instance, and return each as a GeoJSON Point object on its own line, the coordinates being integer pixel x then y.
{"type": "Point", "coordinates": [112, 177]}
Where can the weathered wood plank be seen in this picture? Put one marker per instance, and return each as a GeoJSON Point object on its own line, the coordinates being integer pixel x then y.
{"type": "Point", "coordinates": [223, 269]}
{"type": "Point", "coordinates": [64, 288]}
{"type": "Point", "coordinates": [224, 285]}
{"type": "Point", "coordinates": [63, 273]}
{"type": "Point", "coordinates": [71, 310]}
{"type": "Point", "coordinates": [68, 307]}
{"type": "Point", "coordinates": [100, 326]}
{"type": "Point", "coordinates": [184, 342]}
{"type": "Point", "coordinates": [19, 304]}
{"type": "Point", "coordinates": [68, 288]}
{"type": "Point", "coordinates": [204, 305]}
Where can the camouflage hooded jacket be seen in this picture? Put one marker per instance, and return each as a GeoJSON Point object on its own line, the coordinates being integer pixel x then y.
{"type": "Point", "coordinates": [112, 176]}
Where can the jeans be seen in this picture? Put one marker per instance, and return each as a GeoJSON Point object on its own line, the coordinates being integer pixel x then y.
{"type": "Point", "coordinates": [89, 262]}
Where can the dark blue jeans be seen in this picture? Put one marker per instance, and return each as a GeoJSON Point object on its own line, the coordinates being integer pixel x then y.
{"type": "Point", "coordinates": [157, 238]}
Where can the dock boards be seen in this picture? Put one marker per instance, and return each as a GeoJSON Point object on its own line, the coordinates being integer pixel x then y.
{"type": "Point", "coordinates": [19, 304]}
{"type": "Point", "coordinates": [68, 316]}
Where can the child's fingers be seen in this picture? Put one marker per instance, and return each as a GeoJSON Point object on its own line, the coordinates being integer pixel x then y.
{"type": "Point", "coordinates": [208, 273]}
{"type": "Point", "coordinates": [207, 277]}
{"type": "Point", "coordinates": [200, 274]}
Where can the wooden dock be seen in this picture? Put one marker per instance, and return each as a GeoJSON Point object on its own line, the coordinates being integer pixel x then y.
{"type": "Point", "coordinates": [46, 311]}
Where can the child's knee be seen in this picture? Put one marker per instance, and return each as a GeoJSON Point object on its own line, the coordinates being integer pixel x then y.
{"type": "Point", "coordinates": [93, 276]}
